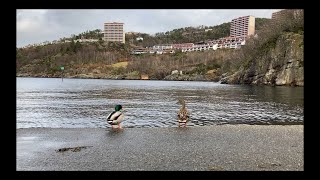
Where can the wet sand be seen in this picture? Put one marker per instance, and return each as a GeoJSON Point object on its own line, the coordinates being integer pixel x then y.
{"type": "Point", "coordinates": [206, 148]}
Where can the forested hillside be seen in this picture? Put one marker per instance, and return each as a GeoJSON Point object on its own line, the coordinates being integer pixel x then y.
{"type": "Point", "coordinates": [188, 34]}
{"type": "Point", "coordinates": [275, 57]}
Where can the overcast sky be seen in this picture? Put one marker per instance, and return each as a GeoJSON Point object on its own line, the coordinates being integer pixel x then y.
{"type": "Point", "coordinates": [35, 26]}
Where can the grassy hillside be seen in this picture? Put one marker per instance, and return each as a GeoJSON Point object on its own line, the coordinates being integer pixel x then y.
{"type": "Point", "coordinates": [113, 60]}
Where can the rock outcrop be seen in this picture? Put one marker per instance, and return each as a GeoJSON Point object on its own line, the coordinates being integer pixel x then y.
{"type": "Point", "coordinates": [281, 65]}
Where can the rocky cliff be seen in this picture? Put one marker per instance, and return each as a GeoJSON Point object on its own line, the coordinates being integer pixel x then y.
{"type": "Point", "coordinates": [282, 64]}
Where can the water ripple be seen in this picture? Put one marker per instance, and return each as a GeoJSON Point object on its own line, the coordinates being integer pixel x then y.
{"type": "Point", "coordinates": [80, 103]}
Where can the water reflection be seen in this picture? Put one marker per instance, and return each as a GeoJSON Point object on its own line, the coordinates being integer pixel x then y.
{"type": "Point", "coordinates": [72, 103]}
{"type": "Point", "coordinates": [286, 95]}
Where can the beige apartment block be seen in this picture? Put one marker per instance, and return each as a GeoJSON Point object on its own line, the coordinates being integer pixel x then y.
{"type": "Point", "coordinates": [242, 26]}
{"type": "Point", "coordinates": [114, 32]}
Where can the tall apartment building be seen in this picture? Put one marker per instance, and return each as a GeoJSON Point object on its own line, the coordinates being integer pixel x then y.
{"type": "Point", "coordinates": [114, 32]}
{"type": "Point", "coordinates": [242, 26]}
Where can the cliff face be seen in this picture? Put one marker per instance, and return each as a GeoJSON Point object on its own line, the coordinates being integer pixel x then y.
{"type": "Point", "coordinates": [282, 64]}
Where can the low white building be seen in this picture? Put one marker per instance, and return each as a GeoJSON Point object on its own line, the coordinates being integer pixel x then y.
{"type": "Point", "coordinates": [162, 47]}
{"type": "Point", "coordinates": [182, 45]}
{"type": "Point", "coordinates": [86, 40]}
{"type": "Point", "coordinates": [201, 47]}
{"type": "Point", "coordinates": [139, 38]}
{"type": "Point", "coordinates": [231, 42]}
{"type": "Point", "coordinates": [159, 52]}
{"type": "Point", "coordinates": [139, 51]}
{"type": "Point", "coordinates": [152, 51]}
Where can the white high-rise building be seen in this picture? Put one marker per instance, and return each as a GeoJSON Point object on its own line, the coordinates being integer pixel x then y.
{"type": "Point", "coordinates": [114, 32]}
{"type": "Point", "coordinates": [242, 26]}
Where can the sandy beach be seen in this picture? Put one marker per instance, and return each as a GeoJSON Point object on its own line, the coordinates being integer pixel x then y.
{"type": "Point", "coordinates": [206, 148]}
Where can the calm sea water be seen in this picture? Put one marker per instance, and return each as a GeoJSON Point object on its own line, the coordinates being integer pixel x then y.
{"type": "Point", "coordinates": [74, 103]}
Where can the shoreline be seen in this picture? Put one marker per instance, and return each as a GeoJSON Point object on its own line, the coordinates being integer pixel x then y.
{"type": "Point", "coordinates": [197, 148]}
{"type": "Point", "coordinates": [114, 78]}
{"type": "Point", "coordinates": [220, 82]}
